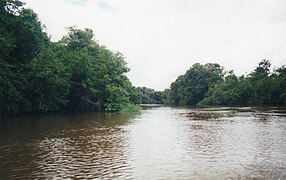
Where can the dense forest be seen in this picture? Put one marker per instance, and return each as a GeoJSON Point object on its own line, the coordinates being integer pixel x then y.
{"type": "Point", "coordinates": [77, 74]}
{"type": "Point", "coordinates": [209, 84]}
{"type": "Point", "coordinates": [73, 74]}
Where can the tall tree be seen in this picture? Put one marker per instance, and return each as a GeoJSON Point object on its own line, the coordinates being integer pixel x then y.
{"type": "Point", "coordinates": [21, 39]}
{"type": "Point", "coordinates": [191, 88]}
{"type": "Point", "coordinates": [261, 87]}
{"type": "Point", "coordinates": [98, 79]}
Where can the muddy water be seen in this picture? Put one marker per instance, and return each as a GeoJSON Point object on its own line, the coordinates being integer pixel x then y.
{"type": "Point", "coordinates": [158, 143]}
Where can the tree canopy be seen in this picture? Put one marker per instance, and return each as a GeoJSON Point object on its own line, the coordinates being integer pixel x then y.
{"type": "Point", "coordinates": [210, 85]}
{"type": "Point", "coordinates": [190, 88]}
{"type": "Point", "coordinates": [78, 74]}
{"type": "Point", "coordinates": [73, 74]}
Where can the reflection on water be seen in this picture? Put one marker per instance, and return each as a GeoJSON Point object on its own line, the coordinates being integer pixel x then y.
{"type": "Point", "coordinates": [158, 143]}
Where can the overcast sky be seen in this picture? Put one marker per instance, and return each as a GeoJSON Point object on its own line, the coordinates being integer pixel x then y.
{"type": "Point", "coordinates": [161, 39]}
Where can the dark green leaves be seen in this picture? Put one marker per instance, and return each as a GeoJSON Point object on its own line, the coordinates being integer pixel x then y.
{"type": "Point", "coordinates": [74, 74]}
{"type": "Point", "coordinates": [191, 88]}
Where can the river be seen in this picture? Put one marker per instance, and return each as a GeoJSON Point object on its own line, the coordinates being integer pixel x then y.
{"type": "Point", "coordinates": [157, 143]}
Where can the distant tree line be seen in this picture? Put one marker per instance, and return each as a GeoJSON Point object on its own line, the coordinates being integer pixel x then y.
{"type": "Point", "coordinates": [77, 74]}
{"type": "Point", "coordinates": [73, 74]}
{"type": "Point", "coordinates": [209, 84]}
{"type": "Point", "coordinates": [144, 95]}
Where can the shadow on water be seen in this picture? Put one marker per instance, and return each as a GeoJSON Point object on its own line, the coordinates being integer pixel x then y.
{"type": "Point", "coordinates": [64, 146]}
{"type": "Point", "coordinates": [37, 125]}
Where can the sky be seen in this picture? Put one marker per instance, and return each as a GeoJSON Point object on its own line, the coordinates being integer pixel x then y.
{"type": "Point", "coordinates": [162, 39]}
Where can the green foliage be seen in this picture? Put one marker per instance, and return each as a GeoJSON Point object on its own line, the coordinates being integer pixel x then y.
{"type": "Point", "coordinates": [143, 95]}
{"type": "Point", "coordinates": [259, 88]}
{"type": "Point", "coordinates": [98, 80]}
{"type": "Point", "coordinates": [166, 97]}
{"type": "Point", "coordinates": [220, 92]}
{"type": "Point", "coordinates": [130, 108]}
{"type": "Point", "coordinates": [191, 88]}
{"type": "Point", "coordinates": [280, 82]}
{"type": "Point", "coordinates": [78, 74]}
{"type": "Point", "coordinates": [49, 80]}
{"type": "Point", "coordinates": [209, 85]}
{"type": "Point", "coordinates": [21, 33]}
{"type": "Point", "coordinates": [74, 74]}
{"type": "Point", "coordinates": [21, 39]}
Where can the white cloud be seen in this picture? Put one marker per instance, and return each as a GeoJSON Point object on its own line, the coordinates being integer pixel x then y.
{"type": "Point", "coordinates": [77, 2]}
{"type": "Point", "coordinates": [104, 5]}
{"type": "Point", "coordinates": [162, 39]}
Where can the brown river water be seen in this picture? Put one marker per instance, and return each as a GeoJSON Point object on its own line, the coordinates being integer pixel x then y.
{"type": "Point", "coordinates": [157, 143]}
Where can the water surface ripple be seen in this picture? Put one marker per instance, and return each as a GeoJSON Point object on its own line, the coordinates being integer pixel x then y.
{"type": "Point", "coordinates": [158, 143]}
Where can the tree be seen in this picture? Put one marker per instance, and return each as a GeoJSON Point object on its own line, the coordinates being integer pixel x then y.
{"type": "Point", "coordinates": [261, 87]}
{"type": "Point", "coordinates": [148, 96]}
{"type": "Point", "coordinates": [49, 80]}
{"type": "Point", "coordinates": [21, 39]}
{"type": "Point", "coordinates": [98, 80]}
{"type": "Point", "coordinates": [191, 88]}
{"type": "Point", "coordinates": [75, 74]}
{"type": "Point", "coordinates": [262, 70]}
